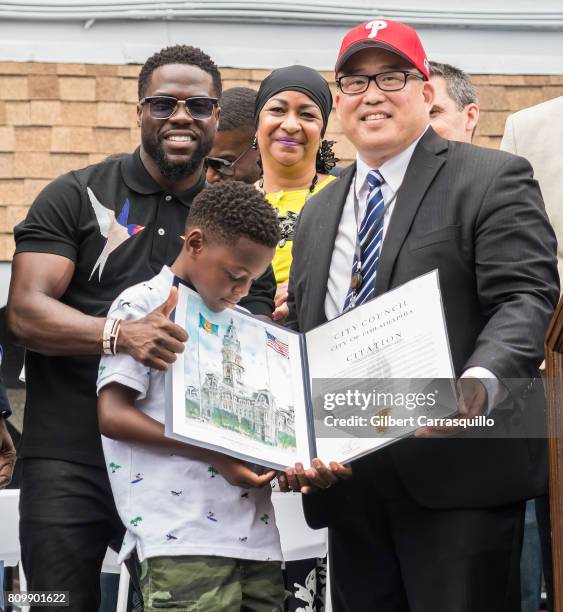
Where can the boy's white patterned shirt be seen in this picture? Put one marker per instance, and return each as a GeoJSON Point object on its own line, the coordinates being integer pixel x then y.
{"type": "Point", "coordinates": [171, 505]}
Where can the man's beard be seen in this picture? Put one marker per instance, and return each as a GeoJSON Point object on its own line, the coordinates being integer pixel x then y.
{"type": "Point", "coordinates": [176, 170]}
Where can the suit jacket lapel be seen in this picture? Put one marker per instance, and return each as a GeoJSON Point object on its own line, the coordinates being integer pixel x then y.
{"type": "Point", "coordinates": [422, 169]}
{"type": "Point", "coordinates": [329, 213]}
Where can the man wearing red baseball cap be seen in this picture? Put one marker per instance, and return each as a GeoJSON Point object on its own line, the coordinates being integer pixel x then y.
{"type": "Point", "coordinates": [428, 525]}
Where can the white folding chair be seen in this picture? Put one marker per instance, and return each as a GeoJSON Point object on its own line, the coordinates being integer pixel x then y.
{"type": "Point", "coordinates": [298, 540]}
{"type": "Point", "coordinates": [111, 566]}
{"type": "Point", "coordinates": [9, 520]}
{"type": "Point", "coordinates": [9, 533]}
{"type": "Point", "coordinates": [10, 548]}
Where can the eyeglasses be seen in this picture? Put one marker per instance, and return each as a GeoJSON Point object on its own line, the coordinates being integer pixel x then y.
{"type": "Point", "coordinates": [394, 80]}
{"type": "Point", "coordinates": [163, 107]}
{"type": "Point", "coordinates": [224, 166]}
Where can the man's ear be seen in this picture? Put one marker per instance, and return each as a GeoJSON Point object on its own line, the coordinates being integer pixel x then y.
{"type": "Point", "coordinates": [337, 101]}
{"type": "Point", "coordinates": [471, 118]}
{"type": "Point", "coordinates": [428, 94]}
{"type": "Point", "coordinates": [194, 241]}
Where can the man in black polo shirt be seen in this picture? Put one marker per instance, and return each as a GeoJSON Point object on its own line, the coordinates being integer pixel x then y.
{"type": "Point", "coordinates": [89, 235]}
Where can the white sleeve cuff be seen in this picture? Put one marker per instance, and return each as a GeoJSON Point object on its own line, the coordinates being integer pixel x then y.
{"type": "Point", "coordinates": [496, 391]}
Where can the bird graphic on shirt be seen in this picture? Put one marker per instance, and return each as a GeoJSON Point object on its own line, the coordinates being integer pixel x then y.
{"type": "Point", "coordinates": [170, 537]}
{"type": "Point", "coordinates": [211, 516]}
{"type": "Point", "coordinates": [116, 229]}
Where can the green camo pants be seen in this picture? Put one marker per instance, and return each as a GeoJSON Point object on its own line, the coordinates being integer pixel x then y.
{"type": "Point", "coordinates": [211, 584]}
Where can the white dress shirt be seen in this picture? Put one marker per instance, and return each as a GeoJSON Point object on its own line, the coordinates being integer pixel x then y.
{"type": "Point", "coordinates": [393, 172]}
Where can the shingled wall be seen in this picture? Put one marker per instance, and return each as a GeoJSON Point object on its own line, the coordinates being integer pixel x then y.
{"type": "Point", "coordinates": [58, 117]}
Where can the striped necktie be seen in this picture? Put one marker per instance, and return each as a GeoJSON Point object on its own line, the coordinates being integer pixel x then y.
{"type": "Point", "coordinates": [371, 237]}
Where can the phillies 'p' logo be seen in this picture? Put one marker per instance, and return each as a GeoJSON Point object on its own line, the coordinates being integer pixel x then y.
{"type": "Point", "coordinates": [375, 26]}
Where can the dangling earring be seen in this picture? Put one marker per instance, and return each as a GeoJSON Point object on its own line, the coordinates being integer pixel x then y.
{"type": "Point", "coordinates": [326, 160]}
{"type": "Point", "coordinates": [254, 146]}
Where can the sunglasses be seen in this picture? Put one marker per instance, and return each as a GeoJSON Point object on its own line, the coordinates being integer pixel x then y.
{"type": "Point", "coordinates": [224, 166]}
{"type": "Point", "coordinates": [163, 107]}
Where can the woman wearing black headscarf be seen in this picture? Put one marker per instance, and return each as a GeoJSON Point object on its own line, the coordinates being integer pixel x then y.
{"type": "Point", "coordinates": [292, 109]}
{"type": "Point", "coordinates": [291, 112]}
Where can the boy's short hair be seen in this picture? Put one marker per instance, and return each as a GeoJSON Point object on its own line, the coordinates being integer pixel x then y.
{"type": "Point", "coordinates": [229, 210]}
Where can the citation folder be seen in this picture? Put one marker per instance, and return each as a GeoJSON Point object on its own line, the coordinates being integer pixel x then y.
{"type": "Point", "coordinates": [271, 396]}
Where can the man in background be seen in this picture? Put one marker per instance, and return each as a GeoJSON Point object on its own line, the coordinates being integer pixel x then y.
{"type": "Point", "coordinates": [455, 111]}
{"type": "Point", "coordinates": [233, 156]}
{"type": "Point", "coordinates": [536, 133]}
{"type": "Point", "coordinates": [7, 449]}
{"type": "Point", "coordinates": [7, 458]}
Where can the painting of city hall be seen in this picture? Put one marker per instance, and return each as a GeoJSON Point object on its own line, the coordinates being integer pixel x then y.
{"type": "Point", "coordinates": [226, 397]}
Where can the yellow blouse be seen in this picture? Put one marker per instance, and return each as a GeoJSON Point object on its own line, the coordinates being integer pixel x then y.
{"type": "Point", "coordinates": [288, 205]}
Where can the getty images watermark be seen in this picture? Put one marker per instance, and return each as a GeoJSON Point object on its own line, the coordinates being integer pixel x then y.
{"type": "Point", "coordinates": [398, 407]}
{"type": "Point", "coordinates": [384, 419]}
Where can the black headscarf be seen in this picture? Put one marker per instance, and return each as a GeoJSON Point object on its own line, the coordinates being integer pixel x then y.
{"type": "Point", "coordinates": [296, 78]}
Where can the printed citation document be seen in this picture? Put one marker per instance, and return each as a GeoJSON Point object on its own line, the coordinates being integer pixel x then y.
{"type": "Point", "coordinates": [271, 396]}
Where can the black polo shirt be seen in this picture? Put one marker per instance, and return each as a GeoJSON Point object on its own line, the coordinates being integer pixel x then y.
{"type": "Point", "coordinates": [119, 228]}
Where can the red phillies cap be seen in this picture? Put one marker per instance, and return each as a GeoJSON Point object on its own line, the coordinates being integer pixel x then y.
{"type": "Point", "coordinates": [386, 34]}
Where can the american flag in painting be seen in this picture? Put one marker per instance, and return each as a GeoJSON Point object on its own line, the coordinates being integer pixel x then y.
{"type": "Point", "coordinates": [280, 347]}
